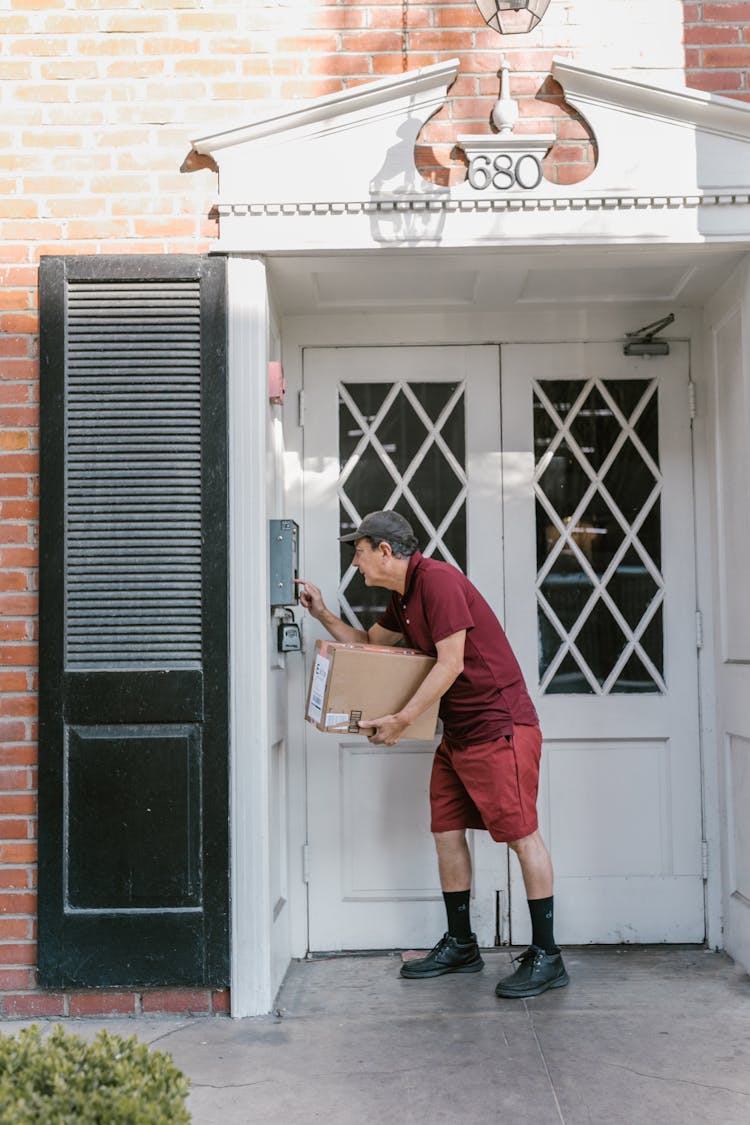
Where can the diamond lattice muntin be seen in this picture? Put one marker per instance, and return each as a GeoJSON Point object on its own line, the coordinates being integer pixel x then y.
{"type": "Point", "coordinates": [597, 487]}
{"type": "Point", "coordinates": [403, 446]}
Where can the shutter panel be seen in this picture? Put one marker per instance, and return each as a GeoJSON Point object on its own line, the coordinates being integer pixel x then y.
{"type": "Point", "coordinates": [133, 743]}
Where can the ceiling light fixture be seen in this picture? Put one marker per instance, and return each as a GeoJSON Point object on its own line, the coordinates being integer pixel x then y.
{"type": "Point", "coordinates": [512, 17]}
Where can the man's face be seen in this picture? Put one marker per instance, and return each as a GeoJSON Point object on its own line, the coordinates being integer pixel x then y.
{"type": "Point", "coordinates": [368, 561]}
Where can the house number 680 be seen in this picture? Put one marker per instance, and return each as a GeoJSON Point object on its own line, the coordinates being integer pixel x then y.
{"type": "Point", "coordinates": [504, 172]}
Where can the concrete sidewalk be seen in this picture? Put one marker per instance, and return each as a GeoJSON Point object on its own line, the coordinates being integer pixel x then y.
{"type": "Point", "coordinates": [642, 1035]}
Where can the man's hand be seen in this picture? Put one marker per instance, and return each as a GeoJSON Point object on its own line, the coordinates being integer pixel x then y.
{"type": "Point", "coordinates": [387, 730]}
{"type": "Point", "coordinates": [311, 598]}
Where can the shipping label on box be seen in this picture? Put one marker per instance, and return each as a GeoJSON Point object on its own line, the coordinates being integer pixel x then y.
{"type": "Point", "coordinates": [349, 683]}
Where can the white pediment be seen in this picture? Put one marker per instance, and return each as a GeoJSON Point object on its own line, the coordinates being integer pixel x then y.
{"type": "Point", "coordinates": [339, 171]}
{"type": "Point", "coordinates": [673, 141]}
{"type": "Point", "coordinates": [344, 146]}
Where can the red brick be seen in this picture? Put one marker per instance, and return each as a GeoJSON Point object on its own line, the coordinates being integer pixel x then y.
{"type": "Point", "coordinates": [19, 416]}
{"type": "Point", "coordinates": [714, 33]}
{"type": "Point", "coordinates": [13, 929]}
{"type": "Point", "coordinates": [308, 44]}
{"type": "Point", "coordinates": [98, 228]}
{"type": "Point", "coordinates": [206, 21]}
{"type": "Point", "coordinates": [19, 369]}
{"type": "Point", "coordinates": [14, 877]}
{"type": "Point", "coordinates": [18, 556]}
{"type": "Point", "coordinates": [451, 16]}
{"type": "Point", "coordinates": [15, 605]}
{"type": "Point", "coordinates": [12, 580]}
{"type": "Point", "coordinates": [177, 1000]}
{"type": "Point", "coordinates": [18, 706]}
{"type": "Point", "coordinates": [14, 346]}
{"type": "Point", "coordinates": [723, 12]}
{"type": "Point", "coordinates": [12, 298]}
{"type": "Point", "coordinates": [25, 1005]}
{"type": "Point", "coordinates": [338, 18]}
{"type": "Point", "coordinates": [20, 322]}
{"type": "Point", "coordinates": [12, 980]}
{"type": "Point", "coordinates": [173, 46]}
{"type": "Point", "coordinates": [374, 42]}
{"type": "Point", "coordinates": [12, 780]}
{"type": "Point", "coordinates": [16, 828]}
{"type": "Point", "coordinates": [158, 227]}
{"type": "Point", "coordinates": [17, 903]}
{"type": "Point", "coordinates": [714, 81]}
{"type": "Point", "coordinates": [12, 731]}
{"type": "Point", "coordinates": [343, 62]}
{"type": "Point", "coordinates": [12, 532]}
{"type": "Point", "coordinates": [12, 393]}
{"type": "Point", "coordinates": [17, 853]}
{"type": "Point", "coordinates": [19, 276]}
{"type": "Point", "coordinates": [381, 17]}
{"type": "Point", "coordinates": [13, 631]}
{"type": "Point", "coordinates": [38, 46]}
{"type": "Point", "coordinates": [442, 41]}
{"type": "Point", "coordinates": [102, 1004]}
{"type": "Point", "coordinates": [107, 45]}
{"type": "Point", "coordinates": [220, 1001]}
{"type": "Point", "coordinates": [72, 23]}
{"type": "Point", "coordinates": [726, 57]}
{"type": "Point", "coordinates": [387, 64]}
{"type": "Point", "coordinates": [12, 681]}
{"type": "Point", "coordinates": [14, 440]}
{"type": "Point", "coordinates": [20, 804]}
{"type": "Point", "coordinates": [135, 23]}
{"type": "Point", "coordinates": [17, 953]}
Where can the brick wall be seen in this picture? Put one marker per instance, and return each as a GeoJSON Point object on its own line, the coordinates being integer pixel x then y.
{"type": "Point", "coordinates": [98, 100]}
{"type": "Point", "coordinates": [717, 47]}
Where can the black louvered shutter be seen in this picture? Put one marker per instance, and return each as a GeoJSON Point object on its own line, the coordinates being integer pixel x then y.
{"type": "Point", "coordinates": [133, 741]}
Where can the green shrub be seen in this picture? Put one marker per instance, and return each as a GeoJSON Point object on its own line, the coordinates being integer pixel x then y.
{"type": "Point", "coordinates": [63, 1080]}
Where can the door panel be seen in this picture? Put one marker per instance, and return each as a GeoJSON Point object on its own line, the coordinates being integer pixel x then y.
{"type": "Point", "coordinates": [598, 487]}
{"type": "Point", "coordinates": [402, 416]}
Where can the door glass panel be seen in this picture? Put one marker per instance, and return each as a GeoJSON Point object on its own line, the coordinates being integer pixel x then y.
{"type": "Point", "coordinates": [402, 446]}
{"type": "Point", "coordinates": [598, 527]}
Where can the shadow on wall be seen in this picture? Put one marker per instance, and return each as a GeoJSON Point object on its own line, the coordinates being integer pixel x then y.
{"type": "Point", "coordinates": [392, 220]}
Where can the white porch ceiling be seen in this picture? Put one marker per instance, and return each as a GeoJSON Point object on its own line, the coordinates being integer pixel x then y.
{"type": "Point", "coordinates": [482, 281]}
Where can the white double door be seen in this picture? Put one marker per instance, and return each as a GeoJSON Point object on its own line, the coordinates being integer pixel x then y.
{"type": "Point", "coordinates": [559, 478]}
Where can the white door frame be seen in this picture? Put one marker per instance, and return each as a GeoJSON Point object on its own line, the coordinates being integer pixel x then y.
{"type": "Point", "coordinates": [248, 327]}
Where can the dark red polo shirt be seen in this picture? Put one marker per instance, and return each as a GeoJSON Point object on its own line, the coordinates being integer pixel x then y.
{"type": "Point", "coordinates": [490, 694]}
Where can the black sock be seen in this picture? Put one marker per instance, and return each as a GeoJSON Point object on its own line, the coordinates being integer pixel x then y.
{"type": "Point", "coordinates": [542, 923]}
{"type": "Point", "coordinates": [457, 907]}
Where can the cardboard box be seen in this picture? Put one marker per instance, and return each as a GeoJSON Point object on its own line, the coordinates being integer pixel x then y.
{"type": "Point", "coordinates": [353, 682]}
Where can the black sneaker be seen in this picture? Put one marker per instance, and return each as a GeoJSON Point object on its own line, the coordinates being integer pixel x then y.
{"type": "Point", "coordinates": [450, 955]}
{"type": "Point", "coordinates": [536, 972]}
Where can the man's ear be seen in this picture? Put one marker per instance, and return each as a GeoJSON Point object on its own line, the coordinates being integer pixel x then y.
{"type": "Point", "coordinates": [385, 549]}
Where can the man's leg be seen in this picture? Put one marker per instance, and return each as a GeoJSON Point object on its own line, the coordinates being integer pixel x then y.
{"type": "Point", "coordinates": [454, 860]}
{"type": "Point", "coordinates": [454, 866]}
{"type": "Point", "coordinates": [457, 951]}
{"type": "Point", "coordinates": [536, 865]}
{"type": "Point", "coordinates": [541, 966]}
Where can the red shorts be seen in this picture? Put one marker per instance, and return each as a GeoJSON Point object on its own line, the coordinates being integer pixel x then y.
{"type": "Point", "coordinates": [490, 785]}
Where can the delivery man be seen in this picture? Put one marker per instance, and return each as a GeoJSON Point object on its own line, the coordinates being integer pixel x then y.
{"type": "Point", "coordinates": [486, 769]}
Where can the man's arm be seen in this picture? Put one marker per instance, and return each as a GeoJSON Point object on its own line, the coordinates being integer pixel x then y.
{"type": "Point", "coordinates": [312, 600]}
{"type": "Point", "coordinates": [450, 663]}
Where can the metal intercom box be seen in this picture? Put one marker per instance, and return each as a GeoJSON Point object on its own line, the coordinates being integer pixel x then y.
{"type": "Point", "coordinates": [284, 541]}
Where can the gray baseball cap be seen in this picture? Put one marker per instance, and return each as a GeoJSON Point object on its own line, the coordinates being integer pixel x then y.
{"type": "Point", "coordinates": [381, 526]}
